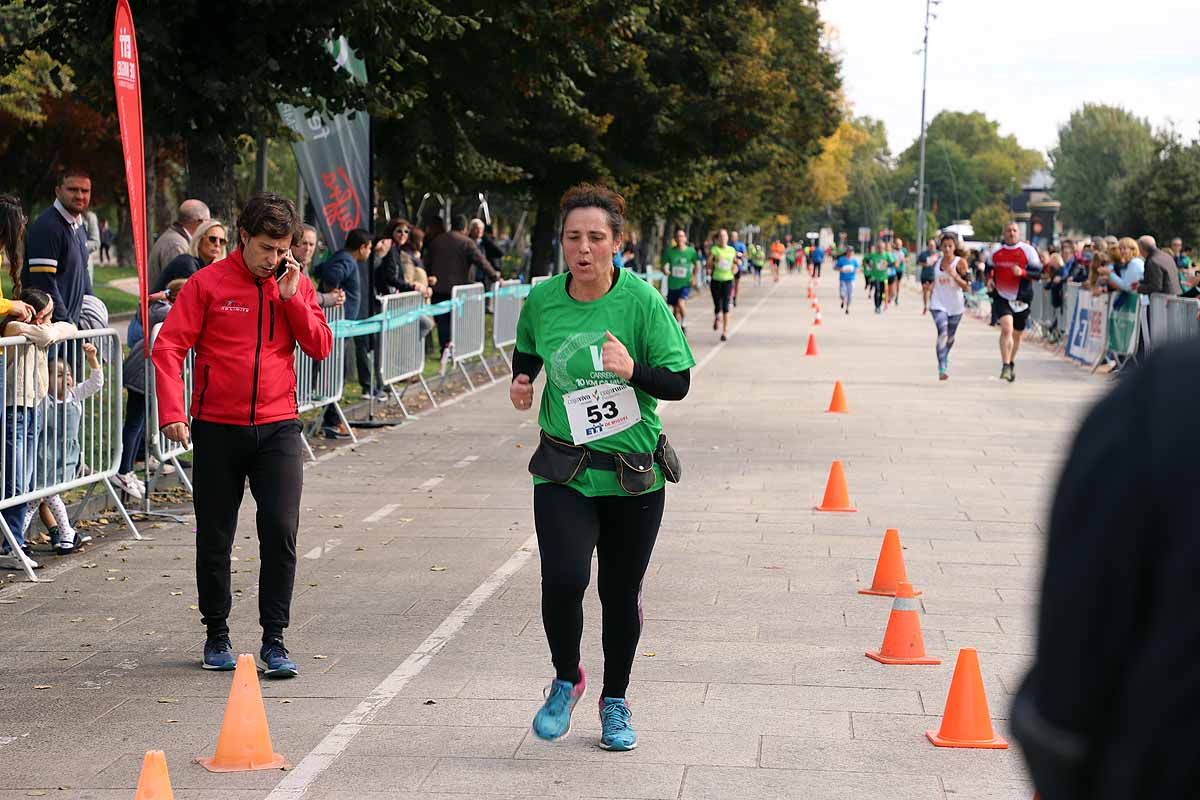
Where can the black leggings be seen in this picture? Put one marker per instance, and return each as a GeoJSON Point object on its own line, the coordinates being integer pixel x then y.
{"type": "Point", "coordinates": [622, 531]}
{"type": "Point", "coordinates": [722, 294]}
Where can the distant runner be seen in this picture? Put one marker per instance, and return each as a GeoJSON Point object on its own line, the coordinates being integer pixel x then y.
{"type": "Point", "coordinates": [742, 264]}
{"type": "Point", "coordinates": [722, 263]}
{"type": "Point", "coordinates": [680, 262]}
{"type": "Point", "coordinates": [817, 259]}
{"type": "Point", "coordinates": [847, 266]}
{"type": "Point", "coordinates": [1014, 264]}
{"type": "Point", "coordinates": [925, 261]}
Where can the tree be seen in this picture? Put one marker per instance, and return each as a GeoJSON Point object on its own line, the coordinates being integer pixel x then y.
{"type": "Point", "coordinates": [968, 164]}
{"type": "Point", "coordinates": [1163, 199]}
{"type": "Point", "coordinates": [989, 221]}
{"type": "Point", "coordinates": [903, 223]}
{"type": "Point", "coordinates": [205, 91]}
{"type": "Point", "coordinates": [1099, 149]}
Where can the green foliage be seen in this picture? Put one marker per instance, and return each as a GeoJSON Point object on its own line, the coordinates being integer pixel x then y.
{"type": "Point", "coordinates": [989, 221]}
{"type": "Point", "coordinates": [968, 164]}
{"type": "Point", "coordinates": [1099, 149]}
{"type": "Point", "coordinates": [1163, 198]}
{"type": "Point", "coordinates": [903, 222]}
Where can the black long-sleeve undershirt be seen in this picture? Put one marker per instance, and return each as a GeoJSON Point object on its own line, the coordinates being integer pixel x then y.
{"type": "Point", "coordinates": [658, 382]}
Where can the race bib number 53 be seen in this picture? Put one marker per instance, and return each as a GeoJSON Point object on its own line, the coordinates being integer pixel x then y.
{"type": "Point", "coordinates": [601, 411]}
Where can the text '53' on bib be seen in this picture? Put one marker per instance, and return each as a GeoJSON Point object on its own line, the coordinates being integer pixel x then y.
{"type": "Point", "coordinates": [601, 411]}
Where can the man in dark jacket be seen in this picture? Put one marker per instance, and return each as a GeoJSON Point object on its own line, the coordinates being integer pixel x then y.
{"type": "Point", "coordinates": [244, 324]}
{"type": "Point", "coordinates": [342, 271]}
{"type": "Point", "coordinates": [1162, 276]}
{"type": "Point", "coordinates": [1110, 709]}
{"type": "Point", "coordinates": [449, 258]}
{"type": "Point", "coordinates": [56, 249]}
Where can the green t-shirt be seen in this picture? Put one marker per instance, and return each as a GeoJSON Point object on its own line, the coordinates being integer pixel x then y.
{"type": "Point", "coordinates": [723, 260]}
{"type": "Point", "coordinates": [569, 335]}
{"type": "Point", "coordinates": [678, 265]}
{"type": "Point", "coordinates": [875, 265]}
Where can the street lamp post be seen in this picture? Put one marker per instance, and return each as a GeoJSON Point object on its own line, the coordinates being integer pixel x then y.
{"type": "Point", "coordinates": [921, 169]}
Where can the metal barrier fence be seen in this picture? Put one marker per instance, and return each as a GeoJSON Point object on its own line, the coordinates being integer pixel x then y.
{"type": "Point", "coordinates": [1173, 319]}
{"type": "Point", "coordinates": [540, 279]}
{"type": "Point", "coordinates": [322, 383]}
{"type": "Point", "coordinates": [402, 347]}
{"type": "Point", "coordinates": [62, 425]}
{"type": "Point", "coordinates": [164, 449]}
{"type": "Point", "coordinates": [467, 328]}
{"type": "Point", "coordinates": [507, 310]}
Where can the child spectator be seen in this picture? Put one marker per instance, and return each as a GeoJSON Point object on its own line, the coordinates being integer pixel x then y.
{"type": "Point", "coordinates": [62, 411]}
{"type": "Point", "coordinates": [27, 380]}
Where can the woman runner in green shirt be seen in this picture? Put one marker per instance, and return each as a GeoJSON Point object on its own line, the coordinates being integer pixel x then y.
{"type": "Point", "coordinates": [612, 350]}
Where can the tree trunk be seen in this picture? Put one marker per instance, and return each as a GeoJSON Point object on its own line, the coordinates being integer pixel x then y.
{"type": "Point", "coordinates": [210, 161]}
{"type": "Point", "coordinates": [124, 241]}
{"type": "Point", "coordinates": [542, 251]}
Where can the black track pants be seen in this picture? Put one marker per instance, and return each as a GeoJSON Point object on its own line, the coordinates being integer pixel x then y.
{"type": "Point", "coordinates": [272, 457]}
{"type": "Point", "coordinates": [622, 531]}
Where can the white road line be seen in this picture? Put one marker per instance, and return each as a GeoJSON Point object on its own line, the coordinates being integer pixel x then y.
{"type": "Point", "coordinates": [432, 482]}
{"type": "Point", "coordinates": [322, 757]}
{"type": "Point", "coordinates": [341, 451]}
{"type": "Point", "coordinates": [317, 552]}
{"type": "Point", "coordinates": [298, 781]}
{"type": "Point", "coordinates": [466, 462]}
{"type": "Point", "coordinates": [381, 513]}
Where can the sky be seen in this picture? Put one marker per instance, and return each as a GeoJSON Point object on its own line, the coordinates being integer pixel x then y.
{"type": "Point", "coordinates": [1025, 63]}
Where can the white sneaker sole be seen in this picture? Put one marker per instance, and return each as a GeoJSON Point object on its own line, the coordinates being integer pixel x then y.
{"type": "Point", "coordinates": [612, 749]}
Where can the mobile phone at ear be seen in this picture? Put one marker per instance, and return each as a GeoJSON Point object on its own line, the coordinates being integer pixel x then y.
{"type": "Point", "coordinates": [282, 269]}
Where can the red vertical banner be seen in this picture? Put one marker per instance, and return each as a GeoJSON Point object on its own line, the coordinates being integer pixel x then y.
{"type": "Point", "coordinates": [127, 81]}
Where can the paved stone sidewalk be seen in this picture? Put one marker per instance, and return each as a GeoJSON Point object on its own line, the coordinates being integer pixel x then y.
{"type": "Point", "coordinates": [750, 680]}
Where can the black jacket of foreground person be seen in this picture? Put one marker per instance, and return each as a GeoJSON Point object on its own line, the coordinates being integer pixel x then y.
{"type": "Point", "coordinates": [1111, 708]}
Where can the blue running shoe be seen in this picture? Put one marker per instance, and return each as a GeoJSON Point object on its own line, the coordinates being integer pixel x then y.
{"type": "Point", "coordinates": [218, 654]}
{"type": "Point", "coordinates": [616, 732]}
{"type": "Point", "coordinates": [274, 662]}
{"type": "Point", "coordinates": [553, 720]}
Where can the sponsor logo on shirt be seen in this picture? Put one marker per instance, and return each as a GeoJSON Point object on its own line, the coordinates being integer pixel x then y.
{"type": "Point", "coordinates": [234, 305]}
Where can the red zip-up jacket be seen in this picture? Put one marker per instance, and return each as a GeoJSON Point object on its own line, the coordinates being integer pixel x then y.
{"type": "Point", "coordinates": [245, 338]}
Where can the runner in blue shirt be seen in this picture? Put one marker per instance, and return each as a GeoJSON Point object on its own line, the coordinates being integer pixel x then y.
{"type": "Point", "coordinates": [742, 263]}
{"type": "Point", "coordinates": [847, 267]}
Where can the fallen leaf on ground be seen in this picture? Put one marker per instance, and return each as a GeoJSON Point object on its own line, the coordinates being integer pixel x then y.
{"type": "Point", "coordinates": [41, 686]}
{"type": "Point", "coordinates": [431, 702]}
{"type": "Point", "coordinates": [649, 655]}
{"type": "Point", "coordinates": [436, 568]}
{"type": "Point", "coordinates": [320, 658]}
{"type": "Point", "coordinates": [176, 594]}
{"type": "Point", "coordinates": [166, 700]}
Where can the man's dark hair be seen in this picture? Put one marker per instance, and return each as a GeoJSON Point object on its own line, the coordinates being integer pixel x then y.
{"type": "Point", "coordinates": [357, 238]}
{"type": "Point", "coordinates": [271, 215]}
{"type": "Point", "coordinates": [71, 172]}
{"type": "Point", "coordinates": [460, 222]}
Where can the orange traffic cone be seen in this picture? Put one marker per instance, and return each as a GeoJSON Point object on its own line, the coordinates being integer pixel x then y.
{"type": "Point", "coordinates": [837, 498]}
{"type": "Point", "coordinates": [889, 569]}
{"type": "Point", "coordinates": [817, 321]}
{"type": "Point", "coordinates": [902, 641]}
{"type": "Point", "coordinates": [812, 346]}
{"type": "Point", "coordinates": [245, 742]}
{"type": "Point", "coordinates": [154, 783]}
{"type": "Point", "coordinates": [966, 721]}
{"type": "Point", "coordinates": [837, 405]}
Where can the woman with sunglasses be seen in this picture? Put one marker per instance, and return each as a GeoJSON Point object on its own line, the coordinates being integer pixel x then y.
{"type": "Point", "coordinates": [208, 245]}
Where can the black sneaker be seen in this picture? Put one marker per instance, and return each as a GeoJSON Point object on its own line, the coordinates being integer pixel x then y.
{"type": "Point", "coordinates": [1012, 373]}
{"type": "Point", "coordinates": [1005, 372]}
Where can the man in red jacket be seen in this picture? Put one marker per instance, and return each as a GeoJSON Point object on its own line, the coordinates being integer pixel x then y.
{"type": "Point", "coordinates": [244, 323]}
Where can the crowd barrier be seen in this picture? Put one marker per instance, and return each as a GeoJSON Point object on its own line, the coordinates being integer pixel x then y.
{"type": "Point", "coordinates": [166, 450]}
{"type": "Point", "coordinates": [322, 383]}
{"type": "Point", "coordinates": [56, 443]}
{"type": "Point", "coordinates": [467, 329]}
{"type": "Point", "coordinates": [1173, 319]}
{"type": "Point", "coordinates": [507, 310]}
{"type": "Point", "coordinates": [401, 345]}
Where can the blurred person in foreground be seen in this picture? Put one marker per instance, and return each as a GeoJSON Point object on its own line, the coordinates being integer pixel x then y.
{"type": "Point", "coordinates": [1111, 708]}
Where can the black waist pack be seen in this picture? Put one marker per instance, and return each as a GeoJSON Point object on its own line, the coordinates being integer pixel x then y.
{"type": "Point", "coordinates": [561, 462]}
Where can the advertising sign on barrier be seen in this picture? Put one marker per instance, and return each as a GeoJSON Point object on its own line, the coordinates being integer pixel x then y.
{"type": "Point", "coordinates": [1123, 323]}
{"type": "Point", "coordinates": [1089, 329]}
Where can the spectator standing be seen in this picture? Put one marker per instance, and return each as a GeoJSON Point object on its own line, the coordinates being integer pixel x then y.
{"type": "Point", "coordinates": [56, 247]}
{"type": "Point", "coordinates": [1162, 276]}
{"type": "Point", "coordinates": [303, 253]}
{"type": "Point", "coordinates": [244, 324]}
{"type": "Point", "coordinates": [93, 241]}
{"type": "Point", "coordinates": [1177, 252]}
{"type": "Point", "coordinates": [340, 271]}
{"type": "Point", "coordinates": [175, 239]}
{"type": "Point", "coordinates": [27, 379]}
{"type": "Point", "coordinates": [207, 246]}
{"type": "Point", "coordinates": [106, 240]}
{"type": "Point", "coordinates": [12, 237]}
{"type": "Point", "coordinates": [449, 259]}
{"type": "Point", "coordinates": [487, 245]}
